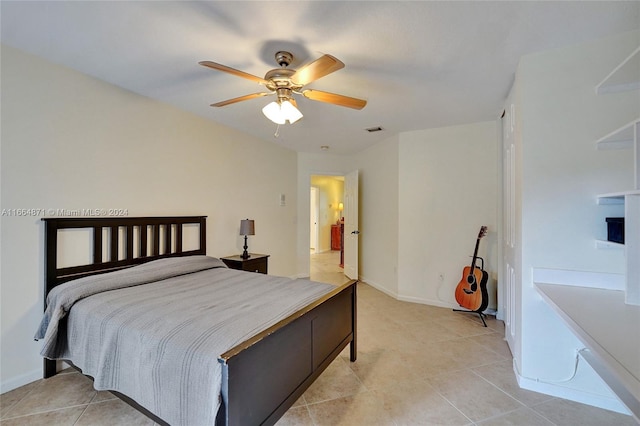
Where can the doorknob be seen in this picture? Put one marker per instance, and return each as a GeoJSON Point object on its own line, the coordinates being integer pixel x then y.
{"type": "Point", "coordinates": [356, 232]}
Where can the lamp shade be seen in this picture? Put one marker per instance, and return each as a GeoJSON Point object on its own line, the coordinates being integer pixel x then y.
{"type": "Point", "coordinates": [290, 112]}
{"type": "Point", "coordinates": [340, 206]}
{"type": "Point", "coordinates": [280, 112]}
{"type": "Point", "coordinates": [273, 113]}
{"type": "Point", "coordinates": [247, 227]}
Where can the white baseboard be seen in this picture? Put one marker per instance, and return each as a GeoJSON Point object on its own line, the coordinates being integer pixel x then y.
{"type": "Point", "coordinates": [424, 301]}
{"type": "Point", "coordinates": [21, 380]}
{"type": "Point", "coordinates": [412, 299]}
{"type": "Point", "coordinates": [378, 287]}
{"type": "Point", "coordinates": [610, 403]}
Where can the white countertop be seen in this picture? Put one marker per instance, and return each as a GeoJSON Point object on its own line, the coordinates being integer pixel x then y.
{"type": "Point", "coordinates": [609, 328]}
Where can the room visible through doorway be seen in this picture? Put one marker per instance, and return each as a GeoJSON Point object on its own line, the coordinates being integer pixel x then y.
{"type": "Point", "coordinates": [326, 200]}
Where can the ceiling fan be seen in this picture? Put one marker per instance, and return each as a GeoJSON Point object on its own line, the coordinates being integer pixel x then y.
{"type": "Point", "coordinates": [285, 82]}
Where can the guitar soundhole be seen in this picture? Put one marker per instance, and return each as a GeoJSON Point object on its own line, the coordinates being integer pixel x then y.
{"type": "Point", "coordinates": [473, 285]}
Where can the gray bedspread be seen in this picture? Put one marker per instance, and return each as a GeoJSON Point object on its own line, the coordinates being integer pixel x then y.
{"type": "Point", "coordinates": [154, 332]}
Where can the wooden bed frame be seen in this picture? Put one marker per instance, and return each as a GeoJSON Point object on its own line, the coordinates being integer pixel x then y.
{"type": "Point", "coordinates": [263, 376]}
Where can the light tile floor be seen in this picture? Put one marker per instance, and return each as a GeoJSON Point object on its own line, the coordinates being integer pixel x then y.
{"type": "Point", "coordinates": [417, 365]}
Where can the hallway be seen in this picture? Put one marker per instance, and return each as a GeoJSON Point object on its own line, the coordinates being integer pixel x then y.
{"type": "Point", "coordinates": [324, 267]}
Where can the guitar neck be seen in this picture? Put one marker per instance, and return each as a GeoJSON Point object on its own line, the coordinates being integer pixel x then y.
{"type": "Point", "coordinates": [475, 256]}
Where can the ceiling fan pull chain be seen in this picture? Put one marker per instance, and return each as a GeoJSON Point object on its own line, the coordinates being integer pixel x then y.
{"type": "Point", "coordinates": [277, 133]}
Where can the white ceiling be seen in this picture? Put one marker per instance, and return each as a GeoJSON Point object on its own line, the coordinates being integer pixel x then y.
{"type": "Point", "coordinates": [418, 64]}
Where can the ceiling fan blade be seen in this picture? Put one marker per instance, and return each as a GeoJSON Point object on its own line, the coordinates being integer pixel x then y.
{"type": "Point", "coordinates": [240, 99]}
{"type": "Point", "coordinates": [322, 66]}
{"type": "Point", "coordinates": [233, 71]}
{"type": "Point", "coordinates": [332, 98]}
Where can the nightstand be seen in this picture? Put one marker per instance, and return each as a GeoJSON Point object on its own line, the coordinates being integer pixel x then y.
{"type": "Point", "coordinates": [255, 263]}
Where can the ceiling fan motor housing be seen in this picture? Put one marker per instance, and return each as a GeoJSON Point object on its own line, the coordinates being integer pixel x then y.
{"type": "Point", "coordinates": [281, 77]}
{"type": "Point", "coordinates": [284, 93]}
{"type": "Point", "coordinates": [283, 58]}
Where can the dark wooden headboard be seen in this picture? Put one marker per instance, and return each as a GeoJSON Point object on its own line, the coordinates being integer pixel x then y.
{"type": "Point", "coordinates": [145, 248]}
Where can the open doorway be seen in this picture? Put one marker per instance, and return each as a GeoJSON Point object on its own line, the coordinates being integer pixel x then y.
{"type": "Point", "coordinates": [314, 209]}
{"type": "Point", "coordinates": [326, 229]}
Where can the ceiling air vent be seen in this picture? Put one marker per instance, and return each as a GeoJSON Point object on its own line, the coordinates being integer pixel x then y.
{"type": "Point", "coordinates": [374, 129]}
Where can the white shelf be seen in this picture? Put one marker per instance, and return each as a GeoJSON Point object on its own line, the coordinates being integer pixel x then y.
{"type": "Point", "coordinates": [612, 338]}
{"type": "Point", "coordinates": [616, 197]}
{"type": "Point", "coordinates": [621, 138]}
{"type": "Point", "coordinates": [625, 76]}
{"type": "Point", "coordinates": [608, 245]}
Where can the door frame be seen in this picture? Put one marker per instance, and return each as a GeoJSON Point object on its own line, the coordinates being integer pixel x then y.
{"type": "Point", "coordinates": [351, 238]}
{"type": "Point", "coordinates": [314, 213]}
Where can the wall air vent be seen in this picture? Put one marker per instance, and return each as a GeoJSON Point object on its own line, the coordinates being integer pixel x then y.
{"type": "Point", "coordinates": [374, 129]}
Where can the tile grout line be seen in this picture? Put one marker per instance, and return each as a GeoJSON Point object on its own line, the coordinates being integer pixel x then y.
{"type": "Point", "coordinates": [509, 395]}
{"type": "Point", "coordinates": [451, 402]}
{"type": "Point", "coordinates": [45, 411]}
{"type": "Point", "coordinates": [9, 409]}
{"type": "Point", "coordinates": [83, 411]}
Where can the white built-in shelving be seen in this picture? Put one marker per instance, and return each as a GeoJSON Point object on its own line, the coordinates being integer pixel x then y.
{"type": "Point", "coordinates": [625, 77]}
{"type": "Point", "coordinates": [625, 137]}
{"type": "Point", "coordinates": [612, 346]}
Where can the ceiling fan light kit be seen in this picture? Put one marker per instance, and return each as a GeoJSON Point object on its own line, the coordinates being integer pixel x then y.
{"type": "Point", "coordinates": [281, 112]}
{"type": "Point", "coordinates": [285, 82]}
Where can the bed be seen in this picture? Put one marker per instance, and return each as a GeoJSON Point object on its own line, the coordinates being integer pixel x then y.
{"type": "Point", "coordinates": [261, 376]}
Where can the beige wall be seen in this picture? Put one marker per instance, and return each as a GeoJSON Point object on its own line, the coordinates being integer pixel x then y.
{"type": "Point", "coordinates": [447, 179]}
{"type": "Point", "coordinates": [72, 142]}
{"type": "Point", "coordinates": [414, 220]}
{"type": "Point", "coordinates": [379, 166]}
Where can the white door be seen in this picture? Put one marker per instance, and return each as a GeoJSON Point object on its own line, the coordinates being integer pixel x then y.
{"type": "Point", "coordinates": [509, 243]}
{"type": "Point", "coordinates": [351, 231]}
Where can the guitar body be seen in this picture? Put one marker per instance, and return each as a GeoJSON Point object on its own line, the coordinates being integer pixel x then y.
{"type": "Point", "coordinates": [471, 292]}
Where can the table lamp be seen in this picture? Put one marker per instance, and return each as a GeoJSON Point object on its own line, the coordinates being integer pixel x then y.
{"type": "Point", "coordinates": [247, 227]}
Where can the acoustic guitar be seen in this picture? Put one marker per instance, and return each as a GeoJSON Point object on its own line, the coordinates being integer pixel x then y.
{"type": "Point", "coordinates": [471, 292]}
